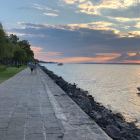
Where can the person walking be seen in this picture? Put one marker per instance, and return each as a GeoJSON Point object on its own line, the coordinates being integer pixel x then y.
{"type": "Point", "coordinates": [29, 65]}
{"type": "Point", "coordinates": [35, 68]}
{"type": "Point", "coordinates": [32, 67]}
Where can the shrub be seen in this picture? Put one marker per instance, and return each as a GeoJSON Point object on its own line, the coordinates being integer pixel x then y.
{"type": "Point", "coordinates": [2, 68]}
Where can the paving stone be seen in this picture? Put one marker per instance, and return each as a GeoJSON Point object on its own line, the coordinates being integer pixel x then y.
{"type": "Point", "coordinates": [27, 111]}
{"type": "Point", "coordinates": [35, 137]}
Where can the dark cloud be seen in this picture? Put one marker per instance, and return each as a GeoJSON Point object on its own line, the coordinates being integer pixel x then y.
{"type": "Point", "coordinates": [25, 8]}
{"type": "Point", "coordinates": [130, 12]}
{"type": "Point", "coordinates": [125, 56]}
{"type": "Point", "coordinates": [77, 42]}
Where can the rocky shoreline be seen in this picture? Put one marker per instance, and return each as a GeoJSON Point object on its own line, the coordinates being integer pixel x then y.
{"type": "Point", "coordinates": [113, 124]}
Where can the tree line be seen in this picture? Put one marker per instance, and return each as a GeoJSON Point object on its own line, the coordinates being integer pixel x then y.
{"type": "Point", "coordinates": [13, 51]}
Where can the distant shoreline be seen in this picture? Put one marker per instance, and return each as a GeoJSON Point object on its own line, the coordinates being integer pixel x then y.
{"type": "Point", "coordinates": [95, 63]}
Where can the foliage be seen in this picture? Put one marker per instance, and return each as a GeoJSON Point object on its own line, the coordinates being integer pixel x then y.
{"type": "Point", "coordinates": [2, 68]}
{"type": "Point", "coordinates": [13, 50]}
{"type": "Point", "coordinates": [24, 44]}
{"type": "Point", "coordinates": [20, 56]}
{"type": "Point", "coordinates": [13, 39]}
{"type": "Point", "coordinates": [2, 42]}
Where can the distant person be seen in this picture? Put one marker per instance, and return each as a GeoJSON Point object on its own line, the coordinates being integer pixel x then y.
{"type": "Point", "coordinates": [32, 67]}
{"type": "Point", "coordinates": [35, 68]}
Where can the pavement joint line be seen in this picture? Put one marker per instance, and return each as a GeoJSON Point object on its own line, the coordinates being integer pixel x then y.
{"type": "Point", "coordinates": [43, 123]}
{"type": "Point", "coordinates": [58, 111]}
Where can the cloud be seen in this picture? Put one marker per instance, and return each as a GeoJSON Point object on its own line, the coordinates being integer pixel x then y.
{"type": "Point", "coordinates": [95, 8]}
{"type": "Point", "coordinates": [36, 49]}
{"type": "Point", "coordinates": [40, 7]}
{"type": "Point", "coordinates": [71, 27]}
{"type": "Point", "coordinates": [128, 56]}
{"type": "Point", "coordinates": [122, 19]}
{"type": "Point", "coordinates": [130, 34]}
{"type": "Point", "coordinates": [108, 54]}
{"type": "Point", "coordinates": [131, 12]}
{"type": "Point", "coordinates": [70, 1]}
{"type": "Point", "coordinates": [51, 14]}
{"type": "Point", "coordinates": [100, 25]}
{"type": "Point", "coordinates": [26, 8]}
{"type": "Point", "coordinates": [79, 43]}
{"type": "Point", "coordinates": [39, 53]}
{"type": "Point", "coordinates": [137, 25]}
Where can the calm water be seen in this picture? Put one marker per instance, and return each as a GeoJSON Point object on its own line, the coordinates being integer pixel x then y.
{"type": "Point", "coordinates": [115, 86]}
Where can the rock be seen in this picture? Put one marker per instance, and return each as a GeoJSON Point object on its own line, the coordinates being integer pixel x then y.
{"type": "Point", "coordinates": [123, 139]}
{"type": "Point", "coordinates": [76, 100]}
{"type": "Point", "coordinates": [96, 116]}
{"type": "Point", "coordinates": [89, 96]}
{"type": "Point", "coordinates": [133, 139]}
{"type": "Point", "coordinates": [110, 121]}
{"type": "Point", "coordinates": [86, 105]}
{"type": "Point", "coordinates": [138, 137]}
{"type": "Point", "coordinates": [123, 133]}
{"type": "Point", "coordinates": [106, 112]}
{"type": "Point", "coordinates": [113, 132]}
{"type": "Point", "coordinates": [121, 124]}
{"type": "Point", "coordinates": [129, 133]}
{"type": "Point", "coordinates": [132, 126]}
{"type": "Point", "coordinates": [118, 115]}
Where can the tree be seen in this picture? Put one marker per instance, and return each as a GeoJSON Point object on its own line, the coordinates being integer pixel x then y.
{"type": "Point", "coordinates": [30, 55]}
{"type": "Point", "coordinates": [2, 42]}
{"type": "Point", "coordinates": [24, 44]}
{"type": "Point", "coordinates": [13, 39]}
{"type": "Point", "coordinates": [20, 56]}
{"type": "Point", "coordinates": [12, 49]}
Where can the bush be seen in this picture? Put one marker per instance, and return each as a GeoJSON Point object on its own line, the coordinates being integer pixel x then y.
{"type": "Point", "coordinates": [2, 68]}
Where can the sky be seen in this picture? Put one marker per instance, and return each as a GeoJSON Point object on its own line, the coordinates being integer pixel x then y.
{"type": "Point", "coordinates": [76, 31]}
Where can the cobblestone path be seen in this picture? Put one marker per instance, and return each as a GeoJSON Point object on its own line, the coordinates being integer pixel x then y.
{"type": "Point", "coordinates": [33, 107]}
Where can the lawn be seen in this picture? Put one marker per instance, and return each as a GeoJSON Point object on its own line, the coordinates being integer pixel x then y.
{"type": "Point", "coordinates": [10, 72]}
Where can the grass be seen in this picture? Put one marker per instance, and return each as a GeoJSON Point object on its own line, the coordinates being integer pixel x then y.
{"type": "Point", "coordinates": [2, 68]}
{"type": "Point", "coordinates": [10, 72]}
{"type": "Point", "coordinates": [93, 123]}
{"type": "Point", "coordinates": [60, 136]}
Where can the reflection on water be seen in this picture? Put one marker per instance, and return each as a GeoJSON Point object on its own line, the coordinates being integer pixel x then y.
{"type": "Point", "coordinates": [115, 86]}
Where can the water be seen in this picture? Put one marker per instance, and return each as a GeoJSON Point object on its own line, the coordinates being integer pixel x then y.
{"type": "Point", "coordinates": [113, 85]}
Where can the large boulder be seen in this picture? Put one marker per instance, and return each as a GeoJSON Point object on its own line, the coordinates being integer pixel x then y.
{"type": "Point", "coordinates": [113, 132]}
{"type": "Point", "coordinates": [86, 105]}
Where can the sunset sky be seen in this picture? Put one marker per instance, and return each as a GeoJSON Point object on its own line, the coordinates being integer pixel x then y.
{"type": "Point", "coordinates": [76, 31]}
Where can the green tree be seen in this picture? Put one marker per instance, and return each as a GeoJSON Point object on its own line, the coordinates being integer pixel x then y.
{"type": "Point", "coordinates": [30, 55]}
{"type": "Point", "coordinates": [24, 44]}
{"type": "Point", "coordinates": [20, 56]}
{"type": "Point", "coordinates": [2, 42]}
{"type": "Point", "coordinates": [13, 39]}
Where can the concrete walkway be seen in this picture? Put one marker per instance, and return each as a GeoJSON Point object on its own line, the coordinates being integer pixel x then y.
{"type": "Point", "coordinates": [33, 107]}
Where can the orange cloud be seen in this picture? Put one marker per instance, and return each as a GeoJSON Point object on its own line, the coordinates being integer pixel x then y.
{"type": "Point", "coordinates": [41, 55]}
{"type": "Point", "coordinates": [131, 54]}
{"type": "Point", "coordinates": [109, 54]}
{"type": "Point", "coordinates": [130, 34]}
{"type": "Point", "coordinates": [74, 59]}
{"type": "Point", "coordinates": [101, 57]}
{"type": "Point", "coordinates": [36, 50]}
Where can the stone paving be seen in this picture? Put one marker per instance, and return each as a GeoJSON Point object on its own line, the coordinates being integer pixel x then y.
{"type": "Point", "coordinates": [33, 107]}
